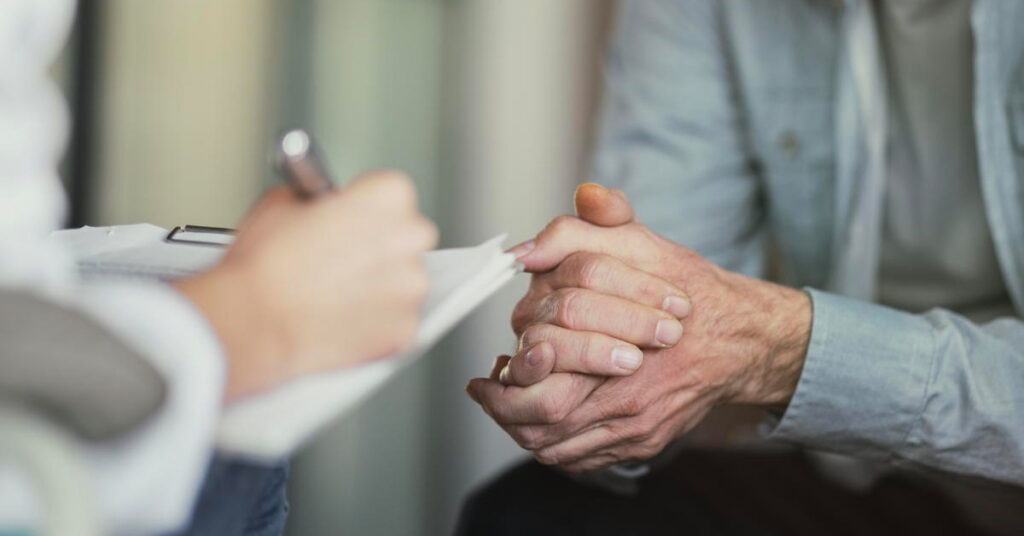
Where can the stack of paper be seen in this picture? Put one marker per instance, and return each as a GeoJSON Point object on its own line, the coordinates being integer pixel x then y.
{"type": "Point", "coordinates": [273, 424]}
{"type": "Point", "coordinates": [134, 251]}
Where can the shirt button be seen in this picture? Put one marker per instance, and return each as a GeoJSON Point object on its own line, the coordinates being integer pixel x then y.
{"type": "Point", "coordinates": [790, 144]}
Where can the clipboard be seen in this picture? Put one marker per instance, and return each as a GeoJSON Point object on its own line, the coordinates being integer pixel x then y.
{"type": "Point", "coordinates": [271, 425]}
{"type": "Point", "coordinates": [201, 235]}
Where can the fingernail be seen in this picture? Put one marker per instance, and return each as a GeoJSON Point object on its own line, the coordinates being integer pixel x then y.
{"type": "Point", "coordinates": [588, 185]}
{"type": "Point", "coordinates": [627, 358]}
{"type": "Point", "coordinates": [523, 249]}
{"type": "Point", "coordinates": [668, 332]}
{"type": "Point", "coordinates": [676, 306]}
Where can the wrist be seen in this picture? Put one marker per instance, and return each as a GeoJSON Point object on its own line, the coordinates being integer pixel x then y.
{"type": "Point", "coordinates": [251, 349]}
{"type": "Point", "coordinates": [778, 333]}
{"type": "Point", "coordinates": [786, 341]}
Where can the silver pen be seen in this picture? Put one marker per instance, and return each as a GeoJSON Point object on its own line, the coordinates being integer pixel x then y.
{"type": "Point", "coordinates": [297, 160]}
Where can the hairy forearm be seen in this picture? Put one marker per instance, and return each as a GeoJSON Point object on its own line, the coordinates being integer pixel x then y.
{"type": "Point", "coordinates": [775, 329]}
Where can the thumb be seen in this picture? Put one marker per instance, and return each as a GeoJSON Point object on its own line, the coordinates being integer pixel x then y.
{"type": "Point", "coordinates": [600, 206]}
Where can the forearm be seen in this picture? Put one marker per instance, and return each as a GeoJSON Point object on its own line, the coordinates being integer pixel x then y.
{"type": "Point", "coordinates": [252, 349]}
{"type": "Point", "coordinates": [931, 389]}
{"type": "Point", "coordinates": [781, 335]}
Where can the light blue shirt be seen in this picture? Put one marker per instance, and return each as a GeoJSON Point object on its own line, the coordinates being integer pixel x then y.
{"type": "Point", "coordinates": [936, 248]}
{"type": "Point", "coordinates": [746, 128]}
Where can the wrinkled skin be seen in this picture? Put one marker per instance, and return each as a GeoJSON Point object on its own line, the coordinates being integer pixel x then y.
{"type": "Point", "coordinates": [598, 281]}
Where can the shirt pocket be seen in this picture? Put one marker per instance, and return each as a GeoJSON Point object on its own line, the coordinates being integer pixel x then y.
{"type": "Point", "coordinates": [793, 141]}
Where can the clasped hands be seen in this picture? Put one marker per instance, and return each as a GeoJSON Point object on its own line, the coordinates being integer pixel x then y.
{"type": "Point", "coordinates": [627, 339]}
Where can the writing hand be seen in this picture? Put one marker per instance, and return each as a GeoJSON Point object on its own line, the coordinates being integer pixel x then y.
{"type": "Point", "coordinates": [314, 285]}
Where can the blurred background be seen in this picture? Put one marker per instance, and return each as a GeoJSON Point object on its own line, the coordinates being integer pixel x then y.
{"type": "Point", "coordinates": [487, 104]}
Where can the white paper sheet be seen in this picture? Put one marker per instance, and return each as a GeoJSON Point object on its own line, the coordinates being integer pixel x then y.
{"type": "Point", "coordinates": [271, 425]}
{"type": "Point", "coordinates": [275, 424]}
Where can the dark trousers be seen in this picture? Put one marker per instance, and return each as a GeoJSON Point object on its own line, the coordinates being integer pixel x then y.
{"type": "Point", "coordinates": [708, 492]}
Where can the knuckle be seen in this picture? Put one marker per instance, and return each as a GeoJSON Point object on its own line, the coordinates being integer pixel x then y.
{"type": "Point", "coordinates": [395, 186]}
{"type": "Point", "coordinates": [552, 408]}
{"type": "Point", "coordinates": [639, 431]}
{"type": "Point", "coordinates": [545, 457]}
{"type": "Point", "coordinates": [649, 290]}
{"type": "Point", "coordinates": [527, 438]}
{"type": "Point", "coordinates": [589, 268]}
{"type": "Point", "coordinates": [631, 405]}
{"type": "Point", "coordinates": [587, 360]}
{"type": "Point", "coordinates": [535, 334]}
{"type": "Point", "coordinates": [646, 449]}
{"type": "Point", "coordinates": [522, 315]}
{"type": "Point", "coordinates": [563, 222]}
{"type": "Point", "coordinates": [567, 303]}
{"type": "Point", "coordinates": [618, 432]}
{"type": "Point", "coordinates": [559, 228]}
{"type": "Point", "coordinates": [579, 382]}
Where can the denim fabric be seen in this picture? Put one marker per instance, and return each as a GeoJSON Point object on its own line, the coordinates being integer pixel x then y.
{"type": "Point", "coordinates": [241, 499]}
{"type": "Point", "coordinates": [723, 123]}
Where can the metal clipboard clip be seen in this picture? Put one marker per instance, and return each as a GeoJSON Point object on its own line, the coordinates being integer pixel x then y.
{"type": "Point", "coordinates": [201, 235]}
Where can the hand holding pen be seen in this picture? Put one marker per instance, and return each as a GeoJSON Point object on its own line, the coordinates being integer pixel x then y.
{"type": "Point", "coordinates": [317, 277]}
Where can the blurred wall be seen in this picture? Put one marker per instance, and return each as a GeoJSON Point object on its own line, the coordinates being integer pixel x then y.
{"type": "Point", "coordinates": [486, 103]}
{"type": "Point", "coordinates": [373, 95]}
{"type": "Point", "coordinates": [525, 76]}
{"type": "Point", "coordinates": [186, 107]}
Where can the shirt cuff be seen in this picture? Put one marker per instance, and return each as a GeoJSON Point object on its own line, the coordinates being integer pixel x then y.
{"type": "Point", "coordinates": [147, 481]}
{"type": "Point", "coordinates": [864, 380]}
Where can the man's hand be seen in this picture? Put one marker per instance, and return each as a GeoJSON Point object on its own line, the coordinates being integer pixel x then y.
{"type": "Point", "coordinates": [595, 312]}
{"type": "Point", "coordinates": [314, 285]}
{"type": "Point", "coordinates": [744, 343]}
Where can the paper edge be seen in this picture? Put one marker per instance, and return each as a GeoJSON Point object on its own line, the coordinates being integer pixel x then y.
{"type": "Point", "coordinates": [268, 447]}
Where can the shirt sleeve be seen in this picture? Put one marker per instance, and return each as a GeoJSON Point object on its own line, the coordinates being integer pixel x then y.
{"type": "Point", "coordinates": [931, 390]}
{"type": "Point", "coordinates": [146, 480]}
{"type": "Point", "coordinates": [671, 132]}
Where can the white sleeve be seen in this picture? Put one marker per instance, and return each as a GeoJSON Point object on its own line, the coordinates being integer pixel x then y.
{"type": "Point", "coordinates": [146, 481]}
